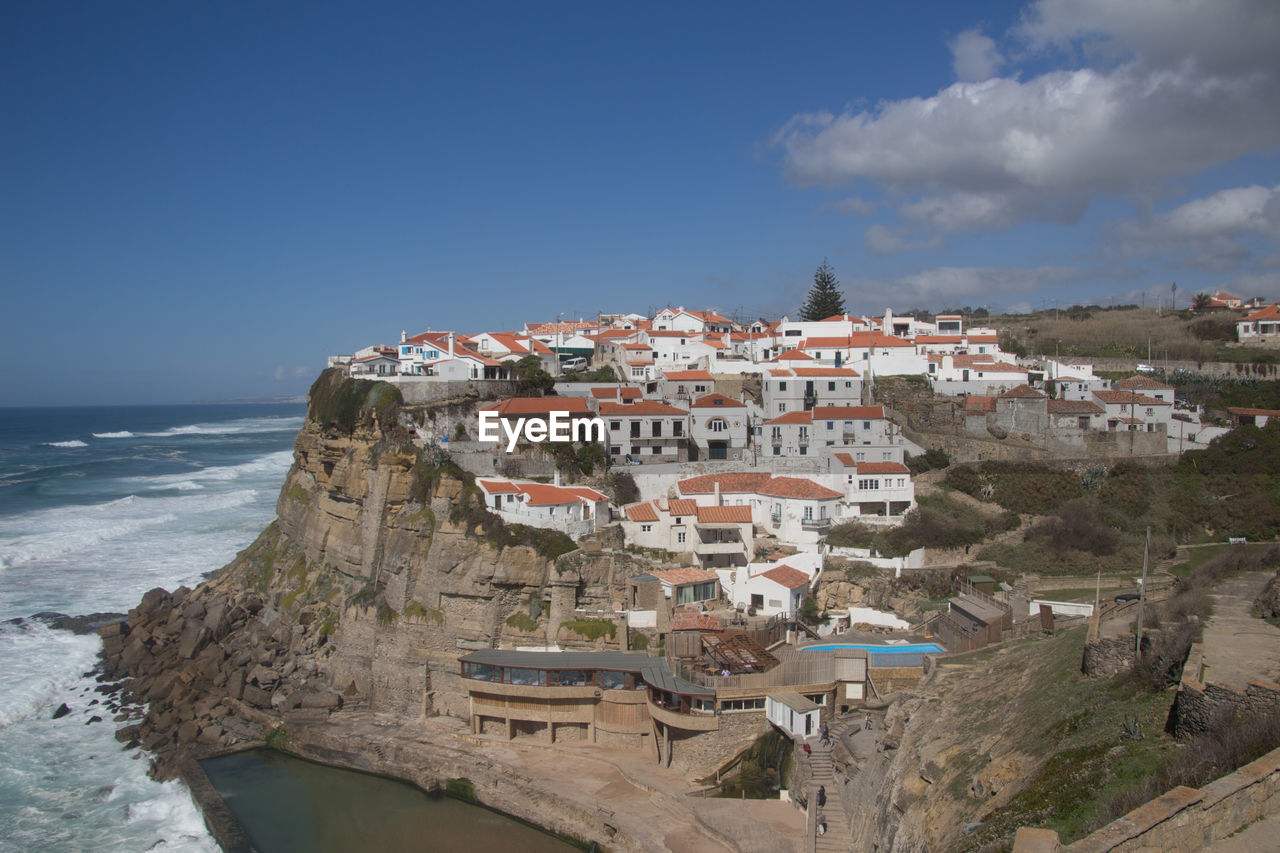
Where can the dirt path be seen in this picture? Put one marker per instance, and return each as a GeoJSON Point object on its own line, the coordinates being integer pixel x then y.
{"type": "Point", "coordinates": [1239, 646]}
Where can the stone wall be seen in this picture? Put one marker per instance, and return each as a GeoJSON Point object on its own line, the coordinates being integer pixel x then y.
{"type": "Point", "coordinates": [417, 391]}
{"type": "Point", "coordinates": [1183, 819]}
{"type": "Point", "coordinates": [1108, 656]}
{"type": "Point", "coordinates": [1201, 707]}
{"type": "Point", "coordinates": [701, 754]}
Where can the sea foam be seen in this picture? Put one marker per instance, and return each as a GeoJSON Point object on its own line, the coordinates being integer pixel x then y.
{"type": "Point", "coordinates": [73, 443]}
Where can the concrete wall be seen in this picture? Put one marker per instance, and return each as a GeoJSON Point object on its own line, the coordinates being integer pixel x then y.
{"type": "Point", "coordinates": [428, 390]}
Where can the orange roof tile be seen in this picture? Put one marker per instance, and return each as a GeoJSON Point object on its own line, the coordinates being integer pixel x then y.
{"type": "Point", "coordinates": [1242, 410]}
{"type": "Point", "coordinates": [939, 339]}
{"type": "Point", "coordinates": [641, 512]}
{"type": "Point", "coordinates": [1023, 392]}
{"type": "Point", "coordinates": [544, 494]}
{"type": "Point", "coordinates": [499, 487]}
{"type": "Point", "coordinates": [686, 621]}
{"type": "Point", "coordinates": [682, 506]}
{"type": "Point", "coordinates": [979, 403]}
{"type": "Point", "coordinates": [882, 468]}
{"type": "Point", "coordinates": [1129, 397]}
{"type": "Point", "coordinates": [516, 406]}
{"type": "Point", "coordinates": [787, 577]}
{"type": "Point", "coordinates": [1270, 312]}
{"type": "Point", "coordinates": [792, 418]}
{"type": "Point", "coordinates": [717, 401]}
{"type": "Point", "coordinates": [680, 577]}
{"type": "Point", "coordinates": [1073, 407]}
{"type": "Point", "coordinates": [794, 355]}
{"type": "Point", "coordinates": [824, 371]}
{"type": "Point", "coordinates": [1141, 382]}
{"type": "Point", "coordinates": [686, 375]}
{"type": "Point", "coordinates": [724, 515]}
{"type": "Point", "coordinates": [735, 482]}
{"type": "Point", "coordinates": [795, 487]}
{"type": "Point", "coordinates": [643, 408]}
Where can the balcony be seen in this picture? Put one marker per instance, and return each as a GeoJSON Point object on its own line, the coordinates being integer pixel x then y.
{"type": "Point", "coordinates": [820, 525]}
{"type": "Point", "coordinates": [734, 546]}
{"type": "Point", "coordinates": [689, 722]}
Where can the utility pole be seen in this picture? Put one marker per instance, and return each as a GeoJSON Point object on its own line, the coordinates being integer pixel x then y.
{"type": "Point", "coordinates": [1142, 597]}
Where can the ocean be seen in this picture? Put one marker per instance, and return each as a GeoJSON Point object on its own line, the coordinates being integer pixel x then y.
{"type": "Point", "coordinates": [97, 506]}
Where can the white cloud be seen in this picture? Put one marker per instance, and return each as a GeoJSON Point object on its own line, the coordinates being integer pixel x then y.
{"type": "Point", "coordinates": [974, 56]}
{"type": "Point", "coordinates": [1210, 232]}
{"type": "Point", "coordinates": [1004, 150]}
{"type": "Point", "coordinates": [886, 241]}
{"type": "Point", "coordinates": [1266, 285]}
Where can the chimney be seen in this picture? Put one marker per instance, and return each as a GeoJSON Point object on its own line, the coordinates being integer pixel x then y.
{"type": "Point", "coordinates": [888, 321]}
{"type": "Point", "coordinates": [404, 335]}
{"type": "Point", "coordinates": [451, 337]}
{"type": "Point", "coordinates": [717, 503]}
{"type": "Point", "coordinates": [555, 479]}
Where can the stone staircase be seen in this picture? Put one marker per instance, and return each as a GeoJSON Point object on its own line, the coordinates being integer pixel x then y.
{"type": "Point", "coordinates": [838, 838]}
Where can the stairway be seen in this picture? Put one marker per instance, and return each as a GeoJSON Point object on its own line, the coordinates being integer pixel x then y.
{"type": "Point", "coordinates": [838, 838]}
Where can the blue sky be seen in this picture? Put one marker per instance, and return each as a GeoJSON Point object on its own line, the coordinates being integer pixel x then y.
{"type": "Point", "coordinates": [203, 200]}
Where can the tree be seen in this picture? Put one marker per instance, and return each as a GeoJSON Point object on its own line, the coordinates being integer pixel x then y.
{"type": "Point", "coordinates": [1200, 302]}
{"type": "Point", "coordinates": [825, 299]}
{"type": "Point", "coordinates": [531, 379]}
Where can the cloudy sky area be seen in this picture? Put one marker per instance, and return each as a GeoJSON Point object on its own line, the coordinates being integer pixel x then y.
{"type": "Point", "coordinates": [203, 200]}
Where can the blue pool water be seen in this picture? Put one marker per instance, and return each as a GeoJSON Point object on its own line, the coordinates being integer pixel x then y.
{"type": "Point", "coordinates": [910, 649]}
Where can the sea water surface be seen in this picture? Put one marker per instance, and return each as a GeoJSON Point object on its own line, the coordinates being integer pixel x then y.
{"type": "Point", "coordinates": [98, 505]}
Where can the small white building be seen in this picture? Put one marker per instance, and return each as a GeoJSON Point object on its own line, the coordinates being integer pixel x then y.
{"type": "Point", "coordinates": [645, 431]}
{"type": "Point", "coordinates": [717, 536]}
{"type": "Point", "coordinates": [575, 510]}
{"type": "Point", "coordinates": [799, 388]}
{"type": "Point", "coordinates": [797, 511]}
{"type": "Point", "coordinates": [718, 427]}
{"type": "Point", "coordinates": [1262, 326]}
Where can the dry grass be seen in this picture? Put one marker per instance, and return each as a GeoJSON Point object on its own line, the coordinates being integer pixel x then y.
{"type": "Point", "coordinates": [1115, 334]}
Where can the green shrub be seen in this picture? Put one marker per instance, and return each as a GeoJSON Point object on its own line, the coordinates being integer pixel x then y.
{"type": "Point", "coordinates": [387, 615]}
{"type": "Point", "coordinates": [639, 642]}
{"type": "Point", "coordinates": [928, 461]}
{"type": "Point", "coordinates": [592, 629]}
{"type": "Point", "coordinates": [521, 621]}
{"type": "Point", "coordinates": [625, 490]}
{"type": "Point", "coordinates": [416, 611]}
{"type": "Point", "coordinates": [337, 402]}
{"type": "Point", "coordinates": [461, 788]}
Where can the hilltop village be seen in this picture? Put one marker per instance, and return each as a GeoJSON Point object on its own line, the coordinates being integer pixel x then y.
{"type": "Point", "coordinates": [711, 557]}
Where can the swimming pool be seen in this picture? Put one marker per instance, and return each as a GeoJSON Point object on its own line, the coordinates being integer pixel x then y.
{"type": "Point", "coordinates": [909, 649]}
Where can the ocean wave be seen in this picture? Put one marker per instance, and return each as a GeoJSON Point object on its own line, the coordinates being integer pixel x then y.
{"type": "Point", "coordinates": [122, 434]}
{"type": "Point", "coordinates": [41, 665]}
{"type": "Point", "coordinates": [271, 464]}
{"type": "Point", "coordinates": [237, 427]}
{"type": "Point", "coordinates": [72, 443]}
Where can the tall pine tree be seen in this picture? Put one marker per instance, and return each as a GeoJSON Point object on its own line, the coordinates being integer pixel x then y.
{"type": "Point", "coordinates": [825, 299]}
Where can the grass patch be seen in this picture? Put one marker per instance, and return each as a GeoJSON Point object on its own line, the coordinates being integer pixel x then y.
{"type": "Point", "coordinates": [418, 613]}
{"type": "Point", "coordinates": [461, 788]}
{"type": "Point", "coordinates": [592, 629]}
{"type": "Point", "coordinates": [339, 403]}
{"type": "Point", "coordinates": [521, 621]}
{"type": "Point", "coordinates": [387, 614]}
{"type": "Point", "coordinates": [298, 494]}
{"type": "Point", "coordinates": [1197, 557]}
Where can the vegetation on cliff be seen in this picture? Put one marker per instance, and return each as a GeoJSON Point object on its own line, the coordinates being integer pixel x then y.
{"type": "Point", "coordinates": [339, 403]}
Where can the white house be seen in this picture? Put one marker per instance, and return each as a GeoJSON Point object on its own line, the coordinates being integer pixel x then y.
{"type": "Point", "coordinates": [718, 536]}
{"type": "Point", "coordinates": [719, 427]}
{"type": "Point", "coordinates": [645, 431]}
{"type": "Point", "coordinates": [958, 374]}
{"type": "Point", "coordinates": [799, 388]}
{"type": "Point", "coordinates": [797, 511]}
{"type": "Point", "coordinates": [685, 385]}
{"type": "Point", "coordinates": [1129, 410]}
{"type": "Point", "coordinates": [680, 320]}
{"type": "Point", "coordinates": [575, 510]}
{"type": "Point", "coordinates": [1261, 326]}
{"type": "Point", "coordinates": [770, 591]}
{"type": "Point", "coordinates": [877, 489]}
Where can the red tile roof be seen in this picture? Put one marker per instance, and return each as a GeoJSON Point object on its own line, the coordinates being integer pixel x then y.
{"type": "Point", "coordinates": [983, 339]}
{"type": "Point", "coordinates": [792, 418]}
{"type": "Point", "coordinates": [824, 371]}
{"type": "Point", "coordinates": [1270, 312]}
{"type": "Point", "coordinates": [679, 577]}
{"type": "Point", "coordinates": [517, 406]}
{"type": "Point", "coordinates": [794, 487]}
{"type": "Point", "coordinates": [686, 375]}
{"type": "Point", "coordinates": [735, 482]}
{"type": "Point", "coordinates": [787, 577]}
{"type": "Point", "coordinates": [544, 494]}
{"type": "Point", "coordinates": [604, 393]}
{"type": "Point", "coordinates": [976, 403]}
{"type": "Point", "coordinates": [682, 506]}
{"type": "Point", "coordinates": [643, 408]}
{"type": "Point", "coordinates": [716, 401]}
{"type": "Point", "coordinates": [499, 487]}
{"type": "Point", "coordinates": [641, 512]}
{"type": "Point", "coordinates": [1023, 392]}
{"type": "Point", "coordinates": [724, 515]}
{"type": "Point", "coordinates": [1128, 397]}
{"type": "Point", "coordinates": [1241, 410]}
{"type": "Point", "coordinates": [794, 355]}
{"type": "Point", "coordinates": [858, 340]}
{"type": "Point", "coordinates": [939, 339]}
{"type": "Point", "coordinates": [1073, 407]}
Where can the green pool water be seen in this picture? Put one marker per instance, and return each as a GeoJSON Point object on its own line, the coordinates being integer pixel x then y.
{"type": "Point", "coordinates": [289, 805]}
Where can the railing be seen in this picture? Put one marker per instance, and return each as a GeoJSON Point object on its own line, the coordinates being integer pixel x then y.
{"type": "Point", "coordinates": [821, 525]}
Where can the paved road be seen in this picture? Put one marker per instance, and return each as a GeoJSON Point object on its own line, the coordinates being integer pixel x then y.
{"type": "Point", "coordinates": [1238, 646]}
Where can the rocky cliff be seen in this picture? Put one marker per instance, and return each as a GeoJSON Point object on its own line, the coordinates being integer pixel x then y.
{"type": "Point", "coordinates": [380, 569]}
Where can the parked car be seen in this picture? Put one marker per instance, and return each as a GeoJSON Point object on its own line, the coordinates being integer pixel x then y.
{"type": "Point", "coordinates": [1127, 596]}
{"type": "Point", "coordinates": [575, 363]}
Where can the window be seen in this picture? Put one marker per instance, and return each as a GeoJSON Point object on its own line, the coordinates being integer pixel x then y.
{"type": "Point", "coordinates": [680, 537]}
{"type": "Point", "coordinates": [804, 433]}
{"type": "Point", "coordinates": [860, 456]}
{"type": "Point", "coordinates": [831, 386]}
{"type": "Point", "coordinates": [804, 450]}
{"type": "Point", "coordinates": [646, 528]}
{"type": "Point", "coordinates": [777, 450]}
{"type": "Point", "coordinates": [792, 333]}
{"type": "Point", "coordinates": [866, 424]}
{"type": "Point", "coordinates": [699, 389]}
{"type": "Point", "coordinates": [831, 425]}
{"type": "Point", "coordinates": [614, 426]}
{"type": "Point", "coordinates": [635, 429]}
{"type": "Point", "coordinates": [777, 433]}
{"type": "Point", "coordinates": [635, 450]}
{"type": "Point", "coordinates": [848, 384]}
{"type": "Point", "coordinates": [677, 428]}
{"type": "Point", "coordinates": [657, 429]}
{"type": "Point", "coordinates": [808, 513]}
{"type": "Point", "coordinates": [614, 450]}
{"type": "Point", "coordinates": [782, 386]}
{"type": "Point", "coordinates": [887, 456]}
{"type": "Point", "coordinates": [869, 485]}
{"type": "Point", "coordinates": [782, 407]}
{"type": "Point", "coordinates": [718, 425]}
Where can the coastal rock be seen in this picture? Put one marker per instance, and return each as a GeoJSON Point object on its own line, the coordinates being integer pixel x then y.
{"type": "Point", "coordinates": [61, 711]}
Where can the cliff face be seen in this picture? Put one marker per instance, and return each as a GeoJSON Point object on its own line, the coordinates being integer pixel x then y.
{"type": "Point", "coordinates": [375, 576]}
